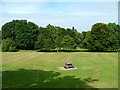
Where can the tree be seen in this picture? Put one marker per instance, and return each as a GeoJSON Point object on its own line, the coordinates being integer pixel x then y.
{"type": "Point", "coordinates": [0, 41]}
{"type": "Point", "coordinates": [113, 37]}
{"type": "Point", "coordinates": [75, 35]}
{"type": "Point", "coordinates": [8, 45]}
{"type": "Point", "coordinates": [68, 42]}
{"type": "Point", "coordinates": [39, 44]}
{"type": "Point", "coordinates": [22, 32]}
{"type": "Point", "coordinates": [49, 44]}
{"type": "Point", "coordinates": [97, 37]}
{"type": "Point", "coordinates": [27, 35]}
{"type": "Point", "coordinates": [8, 30]}
{"type": "Point", "coordinates": [103, 37]}
{"type": "Point", "coordinates": [58, 43]}
{"type": "Point", "coordinates": [84, 41]}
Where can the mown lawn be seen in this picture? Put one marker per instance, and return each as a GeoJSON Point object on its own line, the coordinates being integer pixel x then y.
{"type": "Point", "coordinates": [41, 70]}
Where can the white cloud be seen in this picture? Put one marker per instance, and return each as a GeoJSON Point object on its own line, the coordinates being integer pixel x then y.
{"type": "Point", "coordinates": [88, 13]}
{"type": "Point", "coordinates": [60, 0]}
{"type": "Point", "coordinates": [23, 9]}
{"type": "Point", "coordinates": [60, 15]}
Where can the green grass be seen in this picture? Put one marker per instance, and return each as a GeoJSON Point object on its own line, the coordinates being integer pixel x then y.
{"type": "Point", "coordinates": [39, 69]}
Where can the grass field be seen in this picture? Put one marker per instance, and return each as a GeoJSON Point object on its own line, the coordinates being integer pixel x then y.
{"type": "Point", "coordinates": [41, 70]}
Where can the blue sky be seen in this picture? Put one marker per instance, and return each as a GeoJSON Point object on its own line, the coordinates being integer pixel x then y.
{"type": "Point", "coordinates": [81, 15]}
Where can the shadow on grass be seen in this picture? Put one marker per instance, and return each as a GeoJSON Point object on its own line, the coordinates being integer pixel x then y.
{"type": "Point", "coordinates": [42, 79]}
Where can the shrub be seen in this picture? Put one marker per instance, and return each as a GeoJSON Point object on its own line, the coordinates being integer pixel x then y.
{"type": "Point", "coordinates": [8, 45]}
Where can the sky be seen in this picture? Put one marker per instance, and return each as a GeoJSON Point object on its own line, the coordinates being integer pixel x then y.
{"type": "Point", "coordinates": [81, 15]}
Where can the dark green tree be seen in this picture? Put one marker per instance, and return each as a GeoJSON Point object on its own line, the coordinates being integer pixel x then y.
{"type": "Point", "coordinates": [0, 41]}
{"type": "Point", "coordinates": [8, 45]}
{"type": "Point", "coordinates": [68, 42]}
{"type": "Point", "coordinates": [103, 37]}
{"type": "Point", "coordinates": [58, 43]}
{"type": "Point", "coordinates": [49, 44]}
{"type": "Point", "coordinates": [113, 37]}
{"type": "Point", "coordinates": [85, 37]}
{"type": "Point", "coordinates": [22, 32]}
{"type": "Point", "coordinates": [97, 37]}
{"type": "Point", "coordinates": [8, 30]}
{"type": "Point", "coordinates": [39, 44]}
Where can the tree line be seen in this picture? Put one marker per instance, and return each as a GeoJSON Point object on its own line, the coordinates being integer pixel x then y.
{"type": "Point", "coordinates": [21, 34]}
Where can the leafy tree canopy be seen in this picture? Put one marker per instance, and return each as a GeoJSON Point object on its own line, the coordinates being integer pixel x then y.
{"type": "Point", "coordinates": [27, 35]}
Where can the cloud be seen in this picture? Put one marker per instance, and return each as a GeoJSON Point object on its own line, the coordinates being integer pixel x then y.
{"type": "Point", "coordinates": [80, 15]}
{"type": "Point", "coordinates": [20, 9]}
{"type": "Point", "coordinates": [60, 0]}
{"type": "Point", "coordinates": [88, 13]}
